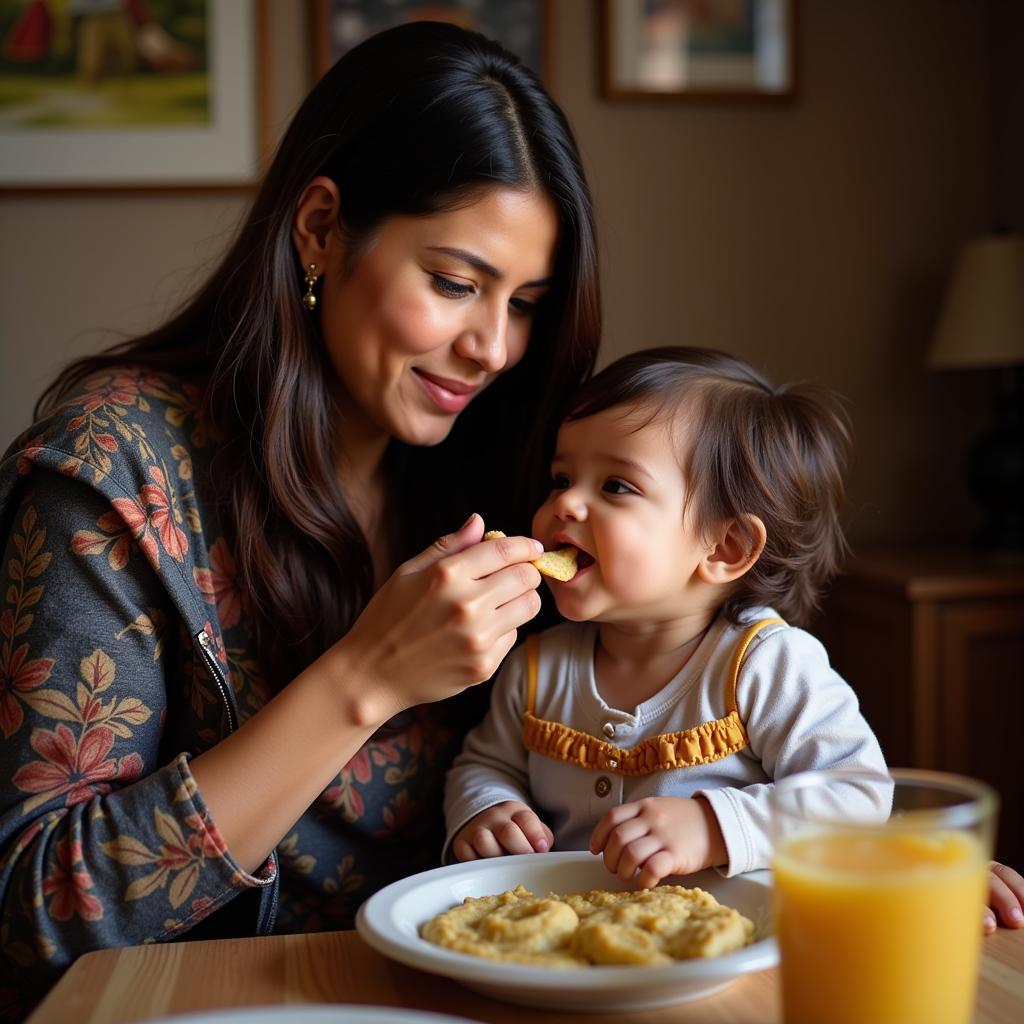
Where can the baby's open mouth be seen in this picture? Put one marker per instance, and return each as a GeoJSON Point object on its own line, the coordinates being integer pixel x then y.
{"type": "Point", "coordinates": [583, 560]}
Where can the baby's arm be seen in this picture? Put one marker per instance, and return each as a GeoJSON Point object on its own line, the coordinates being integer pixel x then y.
{"type": "Point", "coordinates": [799, 715]}
{"type": "Point", "coordinates": [508, 827]}
{"type": "Point", "coordinates": [1005, 898]}
{"type": "Point", "coordinates": [659, 836]}
{"type": "Point", "coordinates": [490, 774]}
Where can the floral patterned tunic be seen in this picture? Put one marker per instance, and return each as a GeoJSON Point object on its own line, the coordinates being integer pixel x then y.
{"type": "Point", "coordinates": [124, 651]}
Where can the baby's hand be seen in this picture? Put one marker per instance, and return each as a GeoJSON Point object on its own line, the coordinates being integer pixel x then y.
{"type": "Point", "coordinates": [1005, 898]}
{"type": "Point", "coordinates": [659, 836]}
{"type": "Point", "coordinates": [508, 827]}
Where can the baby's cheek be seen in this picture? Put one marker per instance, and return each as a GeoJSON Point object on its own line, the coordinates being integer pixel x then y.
{"type": "Point", "coordinates": [632, 574]}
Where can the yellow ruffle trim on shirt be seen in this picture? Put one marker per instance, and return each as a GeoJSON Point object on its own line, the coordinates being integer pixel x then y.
{"type": "Point", "coordinates": [702, 744]}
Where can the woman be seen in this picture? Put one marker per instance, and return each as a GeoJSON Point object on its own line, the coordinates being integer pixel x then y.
{"type": "Point", "coordinates": [217, 514]}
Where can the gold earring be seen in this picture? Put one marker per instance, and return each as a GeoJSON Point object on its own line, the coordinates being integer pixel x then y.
{"type": "Point", "coordinates": [309, 299]}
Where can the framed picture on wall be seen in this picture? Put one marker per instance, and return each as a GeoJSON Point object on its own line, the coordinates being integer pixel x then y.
{"type": "Point", "coordinates": [522, 26]}
{"type": "Point", "coordinates": [118, 94]}
{"type": "Point", "coordinates": [698, 49]}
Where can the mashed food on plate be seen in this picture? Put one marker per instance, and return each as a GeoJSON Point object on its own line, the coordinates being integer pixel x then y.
{"type": "Point", "coordinates": [652, 926]}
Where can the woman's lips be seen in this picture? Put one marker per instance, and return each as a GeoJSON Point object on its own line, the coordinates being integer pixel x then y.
{"type": "Point", "coordinates": [448, 395]}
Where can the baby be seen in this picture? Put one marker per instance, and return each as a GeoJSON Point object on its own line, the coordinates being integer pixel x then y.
{"type": "Point", "coordinates": [704, 507]}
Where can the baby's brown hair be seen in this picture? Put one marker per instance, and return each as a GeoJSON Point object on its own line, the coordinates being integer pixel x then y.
{"type": "Point", "coordinates": [754, 449]}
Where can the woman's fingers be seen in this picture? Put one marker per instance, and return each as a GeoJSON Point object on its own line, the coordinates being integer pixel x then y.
{"type": "Point", "coordinates": [442, 622]}
{"type": "Point", "coordinates": [510, 583]}
{"type": "Point", "coordinates": [493, 555]}
{"type": "Point", "coordinates": [467, 535]}
{"type": "Point", "coordinates": [509, 617]}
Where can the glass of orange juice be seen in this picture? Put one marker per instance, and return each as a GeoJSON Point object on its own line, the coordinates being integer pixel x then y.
{"type": "Point", "coordinates": [879, 881]}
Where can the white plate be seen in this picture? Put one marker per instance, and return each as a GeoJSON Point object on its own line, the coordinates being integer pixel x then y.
{"type": "Point", "coordinates": [391, 919]}
{"type": "Point", "coordinates": [312, 1014]}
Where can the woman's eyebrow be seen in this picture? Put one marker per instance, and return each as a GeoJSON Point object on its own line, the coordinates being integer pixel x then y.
{"type": "Point", "coordinates": [482, 265]}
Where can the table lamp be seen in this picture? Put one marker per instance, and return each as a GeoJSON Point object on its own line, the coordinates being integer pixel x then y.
{"type": "Point", "coordinates": [982, 325]}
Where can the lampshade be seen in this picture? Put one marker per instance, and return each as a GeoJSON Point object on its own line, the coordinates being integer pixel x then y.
{"type": "Point", "coordinates": [982, 318]}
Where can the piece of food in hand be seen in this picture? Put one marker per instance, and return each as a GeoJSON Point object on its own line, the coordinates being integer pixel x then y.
{"type": "Point", "coordinates": [559, 565]}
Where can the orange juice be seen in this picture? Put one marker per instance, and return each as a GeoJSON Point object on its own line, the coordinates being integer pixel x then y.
{"type": "Point", "coordinates": [879, 928]}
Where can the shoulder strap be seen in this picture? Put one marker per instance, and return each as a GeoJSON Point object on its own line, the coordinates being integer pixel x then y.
{"type": "Point", "coordinates": [532, 654]}
{"type": "Point", "coordinates": [737, 661]}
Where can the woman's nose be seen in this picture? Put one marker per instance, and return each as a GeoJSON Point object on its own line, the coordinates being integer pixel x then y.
{"type": "Point", "coordinates": [485, 341]}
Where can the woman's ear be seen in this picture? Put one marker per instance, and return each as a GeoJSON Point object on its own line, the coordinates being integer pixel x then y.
{"type": "Point", "coordinates": [314, 229]}
{"type": "Point", "coordinates": [732, 550]}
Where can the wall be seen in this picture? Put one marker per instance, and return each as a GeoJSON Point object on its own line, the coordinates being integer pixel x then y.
{"type": "Point", "coordinates": [813, 238]}
{"type": "Point", "coordinates": [78, 270]}
{"type": "Point", "coordinates": [1008, 112]}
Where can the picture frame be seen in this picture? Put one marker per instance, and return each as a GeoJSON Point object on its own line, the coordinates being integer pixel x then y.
{"type": "Point", "coordinates": [173, 104]}
{"type": "Point", "coordinates": [522, 26]}
{"type": "Point", "coordinates": [699, 49]}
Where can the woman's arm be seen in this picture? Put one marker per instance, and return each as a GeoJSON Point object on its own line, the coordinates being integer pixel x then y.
{"type": "Point", "coordinates": [104, 837]}
{"type": "Point", "coordinates": [443, 622]}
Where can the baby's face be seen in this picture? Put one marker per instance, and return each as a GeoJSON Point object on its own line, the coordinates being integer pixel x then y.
{"type": "Point", "coordinates": [617, 494]}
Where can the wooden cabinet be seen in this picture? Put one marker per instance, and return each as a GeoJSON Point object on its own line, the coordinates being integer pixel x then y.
{"type": "Point", "coordinates": [933, 644]}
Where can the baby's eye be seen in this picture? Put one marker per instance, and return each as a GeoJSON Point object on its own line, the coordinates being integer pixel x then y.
{"type": "Point", "coordinates": [452, 289]}
{"type": "Point", "coordinates": [613, 486]}
{"type": "Point", "coordinates": [559, 481]}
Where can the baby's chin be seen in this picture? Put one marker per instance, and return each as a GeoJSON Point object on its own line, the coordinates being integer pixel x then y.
{"type": "Point", "coordinates": [568, 609]}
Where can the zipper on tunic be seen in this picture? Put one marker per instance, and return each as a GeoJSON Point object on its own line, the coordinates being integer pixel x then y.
{"type": "Point", "coordinates": [268, 907]}
{"type": "Point", "coordinates": [267, 913]}
{"type": "Point", "coordinates": [203, 639]}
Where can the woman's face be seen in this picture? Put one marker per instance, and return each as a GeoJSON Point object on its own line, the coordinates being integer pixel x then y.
{"type": "Point", "coordinates": [434, 309]}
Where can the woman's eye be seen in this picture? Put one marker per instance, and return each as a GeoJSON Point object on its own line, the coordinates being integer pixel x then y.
{"type": "Point", "coordinates": [614, 486]}
{"type": "Point", "coordinates": [452, 289]}
{"type": "Point", "coordinates": [523, 306]}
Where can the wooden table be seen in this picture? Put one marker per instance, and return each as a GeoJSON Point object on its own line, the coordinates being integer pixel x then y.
{"type": "Point", "coordinates": [118, 986]}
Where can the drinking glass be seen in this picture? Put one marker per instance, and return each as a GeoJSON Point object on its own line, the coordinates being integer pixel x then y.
{"type": "Point", "coordinates": [879, 883]}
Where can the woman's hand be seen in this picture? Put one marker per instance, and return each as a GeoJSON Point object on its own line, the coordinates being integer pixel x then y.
{"type": "Point", "coordinates": [508, 827]}
{"type": "Point", "coordinates": [1005, 898]}
{"type": "Point", "coordinates": [659, 836]}
{"type": "Point", "coordinates": [442, 622]}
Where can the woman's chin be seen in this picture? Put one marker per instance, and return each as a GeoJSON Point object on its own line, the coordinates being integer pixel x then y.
{"type": "Point", "coordinates": [425, 434]}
